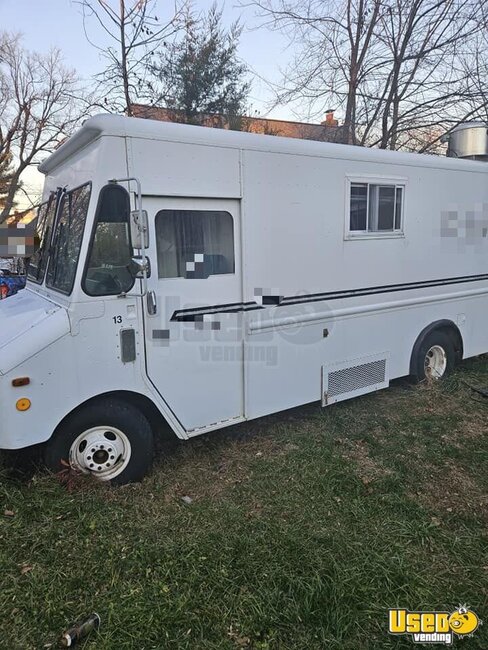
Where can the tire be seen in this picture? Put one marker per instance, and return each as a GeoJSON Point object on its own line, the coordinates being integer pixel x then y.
{"type": "Point", "coordinates": [110, 439]}
{"type": "Point", "coordinates": [435, 357]}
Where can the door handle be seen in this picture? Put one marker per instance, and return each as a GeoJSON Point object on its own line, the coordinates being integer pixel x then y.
{"type": "Point", "coordinates": [152, 303]}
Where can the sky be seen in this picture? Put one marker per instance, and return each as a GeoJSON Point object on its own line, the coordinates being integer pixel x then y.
{"type": "Point", "coordinates": [58, 23]}
{"type": "Point", "coordinates": [47, 23]}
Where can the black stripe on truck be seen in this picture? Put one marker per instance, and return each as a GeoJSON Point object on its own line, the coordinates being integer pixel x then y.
{"type": "Point", "coordinates": [235, 307]}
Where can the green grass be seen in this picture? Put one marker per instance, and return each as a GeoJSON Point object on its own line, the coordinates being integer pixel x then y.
{"type": "Point", "coordinates": [304, 528]}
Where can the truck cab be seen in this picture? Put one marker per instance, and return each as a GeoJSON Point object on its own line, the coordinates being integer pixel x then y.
{"type": "Point", "coordinates": [86, 366]}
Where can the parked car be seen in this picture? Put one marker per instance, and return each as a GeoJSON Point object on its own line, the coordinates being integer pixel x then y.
{"type": "Point", "coordinates": [10, 283]}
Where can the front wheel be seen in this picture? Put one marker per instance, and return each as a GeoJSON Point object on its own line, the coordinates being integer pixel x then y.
{"type": "Point", "coordinates": [110, 439]}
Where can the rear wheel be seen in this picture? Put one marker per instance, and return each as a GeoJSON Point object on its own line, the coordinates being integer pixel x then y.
{"type": "Point", "coordinates": [435, 357]}
{"type": "Point", "coordinates": [110, 439]}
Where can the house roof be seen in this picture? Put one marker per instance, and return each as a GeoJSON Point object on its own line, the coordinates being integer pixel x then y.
{"type": "Point", "coordinates": [327, 131]}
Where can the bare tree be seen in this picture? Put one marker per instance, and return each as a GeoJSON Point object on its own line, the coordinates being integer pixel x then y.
{"type": "Point", "coordinates": [335, 48]}
{"type": "Point", "coordinates": [396, 68]}
{"type": "Point", "coordinates": [134, 31]}
{"type": "Point", "coordinates": [427, 85]}
{"type": "Point", "coordinates": [39, 107]}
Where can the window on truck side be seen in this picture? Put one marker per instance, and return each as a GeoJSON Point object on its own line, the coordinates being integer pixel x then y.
{"type": "Point", "coordinates": [107, 271]}
{"type": "Point", "coordinates": [375, 208]}
{"type": "Point", "coordinates": [194, 244]}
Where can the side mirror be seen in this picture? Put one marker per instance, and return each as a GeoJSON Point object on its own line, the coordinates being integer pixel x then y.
{"type": "Point", "coordinates": [136, 268]}
{"type": "Point", "coordinates": [139, 229]}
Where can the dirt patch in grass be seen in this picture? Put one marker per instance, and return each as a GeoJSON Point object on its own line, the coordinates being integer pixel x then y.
{"type": "Point", "coordinates": [207, 468]}
{"type": "Point", "coordinates": [367, 468]}
{"type": "Point", "coordinates": [472, 429]}
{"type": "Point", "coordinates": [451, 489]}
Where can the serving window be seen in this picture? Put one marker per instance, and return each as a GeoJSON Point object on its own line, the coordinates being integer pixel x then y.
{"type": "Point", "coordinates": [375, 209]}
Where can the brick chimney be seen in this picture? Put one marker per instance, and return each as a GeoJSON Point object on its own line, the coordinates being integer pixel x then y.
{"type": "Point", "coordinates": [329, 119]}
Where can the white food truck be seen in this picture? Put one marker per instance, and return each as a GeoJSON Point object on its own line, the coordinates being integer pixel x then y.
{"type": "Point", "coordinates": [203, 277]}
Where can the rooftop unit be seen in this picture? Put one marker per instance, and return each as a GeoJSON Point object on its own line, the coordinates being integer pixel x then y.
{"type": "Point", "coordinates": [469, 140]}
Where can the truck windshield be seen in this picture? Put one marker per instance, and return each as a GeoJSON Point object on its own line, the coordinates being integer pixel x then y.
{"type": "Point", "coordinates": [68, 234]}
{"type": "Point", "coordinates": [45, 219]}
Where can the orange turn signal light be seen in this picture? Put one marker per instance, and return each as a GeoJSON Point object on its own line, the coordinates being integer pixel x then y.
{"type": "Point", "coordinates": [23, 404]}
{"type": "Point", "coordinates": [20, 381]}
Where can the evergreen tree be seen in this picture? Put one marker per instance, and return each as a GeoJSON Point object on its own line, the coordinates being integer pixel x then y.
{"type": "Point", "coordinates": [200, 72]}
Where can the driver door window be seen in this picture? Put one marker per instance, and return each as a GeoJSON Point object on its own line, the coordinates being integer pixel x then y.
{"type": "Point", "coordinates": [108, 268]}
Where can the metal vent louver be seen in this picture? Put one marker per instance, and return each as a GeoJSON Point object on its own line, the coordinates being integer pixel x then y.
{"type": "Point", "coordinates": [353, 378]}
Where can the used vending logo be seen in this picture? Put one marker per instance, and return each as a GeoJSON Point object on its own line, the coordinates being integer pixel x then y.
{"type": "Point", "coordinates": [433, 627]}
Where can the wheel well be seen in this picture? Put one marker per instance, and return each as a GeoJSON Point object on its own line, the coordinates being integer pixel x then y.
{"type": "Point", "coordinates": [158, 422]}
{"type": "Point", "coordinates": [447, 326]}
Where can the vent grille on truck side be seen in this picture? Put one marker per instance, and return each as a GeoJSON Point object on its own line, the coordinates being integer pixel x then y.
{"type": "Point", "coordinates": [353, 378]}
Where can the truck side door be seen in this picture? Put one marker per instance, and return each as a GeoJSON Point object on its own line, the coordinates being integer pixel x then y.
{"type": "Point", "coordinates": [193, 315]}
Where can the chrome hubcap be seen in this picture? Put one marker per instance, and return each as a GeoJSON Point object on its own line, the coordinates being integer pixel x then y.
{"type": "Point", "coordinates": [435, 362]}
{"type": "Point", "coordinates": [102, 451]}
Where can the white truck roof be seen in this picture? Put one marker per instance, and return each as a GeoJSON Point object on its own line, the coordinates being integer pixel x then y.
{"type": "Point", "coordinates": [121, 126]}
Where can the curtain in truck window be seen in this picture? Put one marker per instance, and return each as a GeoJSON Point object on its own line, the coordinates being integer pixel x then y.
{"type": "Point", "coordinates": [194, 244]}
